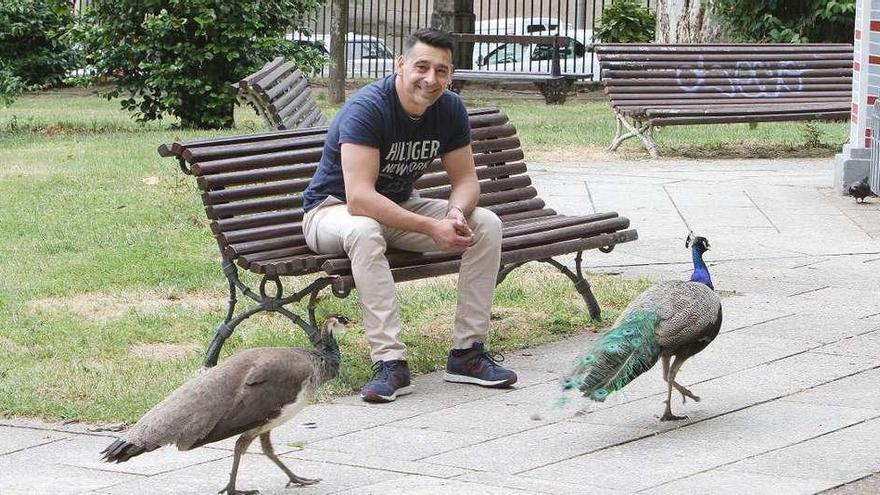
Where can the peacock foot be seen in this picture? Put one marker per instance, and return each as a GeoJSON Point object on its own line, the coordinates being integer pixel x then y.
{"type": "Point", "coordinates": [668, 416]}
{"type": "Point", "coordinates": [296, 480]}
{"type": "Point", "coordinates": [685, 393]}
{"type": "Point", "coordinates": [230, 490]}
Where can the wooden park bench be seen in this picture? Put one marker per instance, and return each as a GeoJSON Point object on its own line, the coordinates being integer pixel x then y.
{"type": "Point", "coordinates": [554, 85]}
{"type": "Point", "coordinates": [251, 188]}
{"type": "Point", "coordinates": [280, 93]}
{"type": "Point", "coordinates": [658, 85]}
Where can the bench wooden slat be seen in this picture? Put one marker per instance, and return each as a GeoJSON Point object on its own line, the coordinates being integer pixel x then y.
{"type": "Point", "coordinates": [758, 88]}
{"type": "Point", "coordinates": [496, 171]}
{"type": "Point", "coordinates": [293, 83]}
{"type": "Point", "coordinates": [251, 221]}
{"type": "Point", "coordinates": [273, 76]}
{"type": "Point", "coordinates": [722, 47]}
{"type": "Point", "coordinates": [756, 97]}
{"type": "Point", "coordinates": [260, 73]}
{"type": "Point", "coordinates": [253, 206]}
{"type": "Point", "coordinates": [283, 142]}
{"type": "Point", "coordinates": [256, 176]}
{"type": "Point", "coordinates": [744, 79]}
{"type": "Point", "coordinates": [266, 232]}
{"type": "Point", "coordinates": [251, 192]}
{"type": "Point", "coordinates": [733, 119]}
{"type": "Point", "coordinates": [343, 283]}
{"type": "Point", "coordinates": [751, 64]}
{"type": "Point", "coordinates": [342, 266]}
{"type": "Point", "coordinates": [297, 95]}
{"type": "Point", "coordinates": [741, 109]}
{"type": "Point", "coordinates": [517, 206]}
{"type": "Point", "coordinates": [527, 214]}
{"type": "Point", "coordinates": [648, 58]}
{"type": "Point", "coordinates": [684, 72]}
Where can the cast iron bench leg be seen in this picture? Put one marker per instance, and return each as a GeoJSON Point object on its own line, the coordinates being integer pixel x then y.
{"type": "Point", "coordinates": [642, 132]}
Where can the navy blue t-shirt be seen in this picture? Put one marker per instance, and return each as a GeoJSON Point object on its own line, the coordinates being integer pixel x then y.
{"type": "Point", "coordinates": [374, 117]}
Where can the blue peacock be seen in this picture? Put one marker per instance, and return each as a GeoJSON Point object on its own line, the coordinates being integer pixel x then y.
{"type": "Point", "coordinates": [670, 322]}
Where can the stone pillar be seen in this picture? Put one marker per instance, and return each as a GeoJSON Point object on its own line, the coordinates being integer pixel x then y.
{"type": "Point", "coordinates": [852, 163]}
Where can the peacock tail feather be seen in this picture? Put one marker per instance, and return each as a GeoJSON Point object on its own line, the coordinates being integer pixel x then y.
{"type": "Point", "coordinates": [617, 358]}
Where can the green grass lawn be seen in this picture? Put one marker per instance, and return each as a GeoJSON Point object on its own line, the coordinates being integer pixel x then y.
{"type": "Point", "coordinates": [111, 287]}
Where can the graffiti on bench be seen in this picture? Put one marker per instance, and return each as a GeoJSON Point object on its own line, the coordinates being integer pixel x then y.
{"type": "Point", "coordinates": [743, 80]}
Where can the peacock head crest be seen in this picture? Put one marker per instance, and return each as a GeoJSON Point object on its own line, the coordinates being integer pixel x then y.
{"type": "Point", "coordinates": [699, 243]}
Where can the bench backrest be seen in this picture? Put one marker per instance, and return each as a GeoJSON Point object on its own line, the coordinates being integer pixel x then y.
{"type": "Point", "coordinates": [280, 93]}
{"type": "Point", "coordinates": [725, 73]}
{"type": "Point", "coordinates": [251, 186]}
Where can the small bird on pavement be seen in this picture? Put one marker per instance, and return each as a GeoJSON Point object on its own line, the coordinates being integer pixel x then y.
{"type": "Point", "coordinates": [859, 190]}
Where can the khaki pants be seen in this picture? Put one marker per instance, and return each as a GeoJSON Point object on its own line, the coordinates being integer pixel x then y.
{"type": "Point", "coordinates": [330, 229]}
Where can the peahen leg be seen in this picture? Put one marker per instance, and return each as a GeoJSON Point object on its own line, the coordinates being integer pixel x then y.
{"type": "Point", "coordinates": [241, 446]}
{"type": "Point", "coordinates": [269, 451]}
{"type": "Point", "coordinates": [673, 370]}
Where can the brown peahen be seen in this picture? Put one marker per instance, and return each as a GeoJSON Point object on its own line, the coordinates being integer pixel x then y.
{"type": "Point", "coordinates": [248, 394]}
{"type": "Point", "coordinates": [669, 322]}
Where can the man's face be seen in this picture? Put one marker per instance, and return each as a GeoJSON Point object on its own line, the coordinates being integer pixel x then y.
{"type": "Point", "coordinates": [425, 71]}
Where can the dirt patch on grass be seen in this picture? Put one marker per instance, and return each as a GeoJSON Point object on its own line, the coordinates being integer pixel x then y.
{"type": "Point", "coordinates": [164, 352]}
{"type": "Point", "coordinates": [100, 307]}
{"type": "Point", "coordinates": [11, 346]}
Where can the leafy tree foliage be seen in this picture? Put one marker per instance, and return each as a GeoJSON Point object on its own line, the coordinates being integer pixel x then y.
{"type": "Point", "coordinates": [626, 21]}
{"type": "Point", "coordinates": [178, 57]}
{"type": "Point", "coordinates": [788, 21]}
{"type": "Point", "coordinates": [33, 52]}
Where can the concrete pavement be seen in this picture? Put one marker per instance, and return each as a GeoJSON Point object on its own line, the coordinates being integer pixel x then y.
{"type": "Point", "coordinates": [790, 402]}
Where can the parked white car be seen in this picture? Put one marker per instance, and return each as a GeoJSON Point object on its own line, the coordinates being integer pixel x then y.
{"type": "Point", "coordinates": [512, 25]}
{"type": "Point", "coordinates": [522, 57]}
{"type": "Point", "coordinates": [366, 56]}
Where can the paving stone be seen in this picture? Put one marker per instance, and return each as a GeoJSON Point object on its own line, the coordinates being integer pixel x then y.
{"type": "Point", "coordinates": [424, 485]}
{"type": "Point", "coordinates": [379, 462]}
{"type": "Point", "coordinates": [540, 486]}
{"type": "Point", "coordinates": [537, 447]}
{"type": "Point", "coordinates": [15, 439]}
{"type": "Point", "coordinates": [855, 446]}
{"type": "Point", "coordinates": [867, 344]}
{"type": "Point", "coordinates": [329, 420]}
{"type": "Point", "coordinates": [34, 478]}
{"type": "Point", "coordinates": [255, 472]}
{"type": "Point", "coordinates": [698, 447]}
{"type": "Point", "coordinates": [869, 485]}
{"type": "Point", "coordinates": [399, 443]}
{"type": "Point", "coordinates": [84, 451]}
{"type": "Point", "coordinates": [723, 482]}
{"type": "Point", "coordinates": [859, 390]}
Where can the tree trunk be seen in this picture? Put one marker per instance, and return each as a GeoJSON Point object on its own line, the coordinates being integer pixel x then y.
{"type": "Point", "coordinates": [687, 21]}
{"type": "Point", "coordinates": [338, 29]}
{"type": "Point", "coordinates": [456, 16]}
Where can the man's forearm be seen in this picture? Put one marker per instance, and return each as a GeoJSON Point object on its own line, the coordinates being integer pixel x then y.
{"type": "Point", "coordinates": [389, 213]}
{"type": "Point", "coordinates": [465, 197]}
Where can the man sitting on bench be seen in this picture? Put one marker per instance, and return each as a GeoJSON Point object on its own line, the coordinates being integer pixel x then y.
{"type": "Point", "coordinates": [360, 202]}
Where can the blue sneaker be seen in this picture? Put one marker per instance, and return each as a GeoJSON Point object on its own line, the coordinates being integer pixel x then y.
{"type": "Point", "coordinates": [477, 366]}
{"type": "Point", "coordinates": [390, 379]}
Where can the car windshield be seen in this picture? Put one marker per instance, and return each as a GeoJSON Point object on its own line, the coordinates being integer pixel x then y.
{"type": "Point", "coordinates": [545, 52]}
{"type": "Point", "coordinates": [367, 49]}
{"type": "Point", "coordinates": [505, 54]}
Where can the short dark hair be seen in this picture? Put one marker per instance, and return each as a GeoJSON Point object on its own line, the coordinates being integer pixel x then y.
{"type": "Point", "coordinates": [431, 37]}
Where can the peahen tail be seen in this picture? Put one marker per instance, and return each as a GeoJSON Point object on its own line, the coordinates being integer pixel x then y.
{"type": "Point", "coordinates": [623, 353]}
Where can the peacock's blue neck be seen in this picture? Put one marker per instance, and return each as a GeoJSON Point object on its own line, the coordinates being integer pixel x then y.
{"type": "Point", "coordinates": [701, 271]}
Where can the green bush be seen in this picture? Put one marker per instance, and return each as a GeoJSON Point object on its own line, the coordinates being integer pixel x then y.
{"type": "Point", "coordinates": [787, 21]}
{"type": "Point", "coordinates": [10, 86]}
{"type": "Point", "coordinates": [178, 57]}
{"type": "Point", "coordinates": [33, 51]}
{"type": "Point", "coordinates": [626, 21]}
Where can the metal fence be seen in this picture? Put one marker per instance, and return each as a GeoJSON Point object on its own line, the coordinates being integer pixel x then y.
{"type": "Point", "coordinates": [377, 29]}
